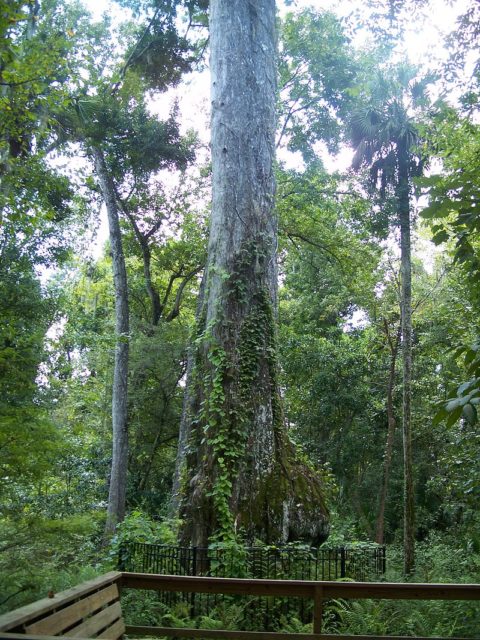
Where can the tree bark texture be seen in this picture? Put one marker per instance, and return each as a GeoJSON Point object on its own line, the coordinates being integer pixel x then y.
{"type": "Point", "coordinates": [406, 312]}
{"type": "Point", "coordinates": [151, 290]}
{"type": "Point", "coordinates": [118, 475]}
{"type": "Point", "coordinates": [242, 471]}
{"type": "Point", "coordinates": [393, 344]}
{"type": "Point", "coordinates": [189, 402]}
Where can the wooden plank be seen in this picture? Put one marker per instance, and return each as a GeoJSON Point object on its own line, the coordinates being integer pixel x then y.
{"type": "Point", "coordinates": [301, 588]}
{"type": "Point", "coordinates": [258, 635]}
{"type": "Point", "coordinates": [22, 615]}
{"type": "Point", "coordinates": [22, 636]}
{"type": "Point", "coordinates": [57, 622]}
{"type": "Point", "coordinates": [402, 591]}
{"type": "Point", "coordinates": [100, 621]}
{"type": "Point", "coordinates": [228, 586]}
{"type": "Point", "coordinates": [115, 631]}
{"type": "Point", "coordinates": [318, 610]}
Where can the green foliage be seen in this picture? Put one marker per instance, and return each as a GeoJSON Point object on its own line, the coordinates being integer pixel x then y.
{"type": "Point", "coordinates": [143, 608]}
{"type": "Point", "coordinates": [232, 549]}
{"type": "Point", "coordinates": [316, 73]}
{"type": "Point", "coordinates": [139, 527]}
{"type": "Point", "coordinates": [221, 437]}
{"type": "Point", "coordinates": [28, 440]}
{"type": "Point", "coordinates": [437, 561]}
{"type": "Point", "coordinates": [454, 221]}
{"type": "Point", "coordinates": [38, 48]}
{"type": "Point", "coordinates": [38, 555]}
{"type": "Point", "coordinates": [453, 194]}
{"type": "Point", "coordinates": [383, 132]}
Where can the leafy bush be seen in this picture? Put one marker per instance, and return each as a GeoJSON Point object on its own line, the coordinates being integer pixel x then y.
{"type": "Point", "coordinates": [438, 560]}
{"type": "Point", "coordinates": [139, 527]}
{"type": "Point", "coordinates": [39, 555]}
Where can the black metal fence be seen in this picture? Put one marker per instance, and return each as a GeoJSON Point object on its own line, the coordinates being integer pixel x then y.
{"type": "Point", "coordinates": [270, 614]}
{"type": "Point", "coordinates": [358, 562]}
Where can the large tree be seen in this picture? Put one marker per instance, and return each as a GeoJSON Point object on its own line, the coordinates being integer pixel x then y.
{"type": "Point", "coordinates": [242, 470]}
{"type": "Point", "coordinates": [386, 140]}
{"type": "Point", "coordinates": [127, 146]}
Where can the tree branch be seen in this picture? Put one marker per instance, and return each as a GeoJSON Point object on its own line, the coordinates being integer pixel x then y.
{"type": "Point", "coordinates": [176, 307]}
{"type": "Point", "coordinates": [12, 595]}
{"type": "Point", "coordinates": [313, 243]}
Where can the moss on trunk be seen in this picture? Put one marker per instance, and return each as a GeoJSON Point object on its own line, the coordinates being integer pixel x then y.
{"type": "Point", "coordinates": [243, 475]}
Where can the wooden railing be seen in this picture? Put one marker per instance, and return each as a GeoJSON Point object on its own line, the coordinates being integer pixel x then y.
{"type": "Point", "coordinates": [92, 609]}
{"type": "Point", "coordinates": [317, 591]}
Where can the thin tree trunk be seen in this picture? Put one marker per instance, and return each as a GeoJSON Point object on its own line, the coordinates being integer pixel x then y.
{"type": "Point", "coordinates": [142, 240]}
{"type": "Point", "coordinates": [242, 471]}
{"type": "Point", "coordinates": [188, 411]}
{"type": "Point", "coordinates": [156, 444]}
{"type": "Point", "coordinates": [118, 476]}
{"type": "Point", "coordinates": [392, 423]}
{"type": "Point", "coordinates": [151, 290]}
{"type": "Point", "coordinates": [406, 309]}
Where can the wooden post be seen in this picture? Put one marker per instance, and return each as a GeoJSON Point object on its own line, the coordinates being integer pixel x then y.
{"type": "Point", "coordinates": [317, 610]}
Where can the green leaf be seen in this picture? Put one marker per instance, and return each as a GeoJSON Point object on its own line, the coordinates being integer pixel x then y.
{"type": "Point", "coordinates": [470, 413]}
{"type": "Point", "coordinates": [453, 405]}
{"type": "Point", "coordinates": [439, 416]}
{"type": "Point", "coordinates": [454, 416]}
{"type": "Point", "coordinates": [441, 236]}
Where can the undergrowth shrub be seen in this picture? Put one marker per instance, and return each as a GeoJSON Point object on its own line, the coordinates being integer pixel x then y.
{"type": "Point", "coordinates": [38, 555]}
{"type": "Point", "coordinates": [436, 561]}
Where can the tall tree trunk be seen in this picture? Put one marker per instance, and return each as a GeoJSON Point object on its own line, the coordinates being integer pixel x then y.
{"type": "Point", "coordinates": [403, 197]}
{"type": "Point", "coordinates": [118, 476]}
{"type": "Point", "coordinates": [391, 426]}
{"type": "Point", "coordinates": [158, 440]}
{"type": "Point", "coordinates": [242, 471]}
{"type": "Point", "coordinates": [188, 411]}
{"type": "Point", "coordinates": [151, 290]}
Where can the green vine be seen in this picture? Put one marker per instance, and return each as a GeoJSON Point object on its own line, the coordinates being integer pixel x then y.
{"type": "Point", "coordinates": [217, 433]}
{"type": "Point", "coordinates": [228, 379]}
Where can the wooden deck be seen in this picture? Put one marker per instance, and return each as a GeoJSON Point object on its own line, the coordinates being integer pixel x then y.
{"type": "Point", "coordinates": [93, 610]}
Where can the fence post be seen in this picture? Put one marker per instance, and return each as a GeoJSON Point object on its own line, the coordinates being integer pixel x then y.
{"type": "Point", "coordinates": [194, 561]}
{"type": "Point", "coordinates": [317, 610]}
{"type": "Point", "coordinates": [122, 555]}
{"type": "Point", "coordinates": [194, 573]}
{"type": "Point", "coordinates": [343, 568]}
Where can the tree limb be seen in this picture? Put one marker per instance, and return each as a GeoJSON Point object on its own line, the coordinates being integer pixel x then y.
{"type": "Point", "coordinates": [176, 307]}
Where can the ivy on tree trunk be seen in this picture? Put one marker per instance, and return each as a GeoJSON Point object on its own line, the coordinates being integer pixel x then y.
{"type": "Point", "coordinates": [242, 471]}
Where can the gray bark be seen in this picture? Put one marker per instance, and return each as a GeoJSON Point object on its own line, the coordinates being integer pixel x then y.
{"type": "Point", "coordinates": [151, 290]}
{"type": "Point", "coordinates": [188, 410]}
{"type": "Point", "coordinates": [242, 472]}
{"type": "Point", "coordinates": [118, 475]}
{"type": "Point", "coordinates": [143, 241]}
{"type": "Point", "coordinates": [393, 344]}
{"type": "Point", "coordinates": [406, 310]}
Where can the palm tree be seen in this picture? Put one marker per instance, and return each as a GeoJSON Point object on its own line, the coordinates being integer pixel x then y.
{"type": "Point", "coordinates": [385, 138]}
